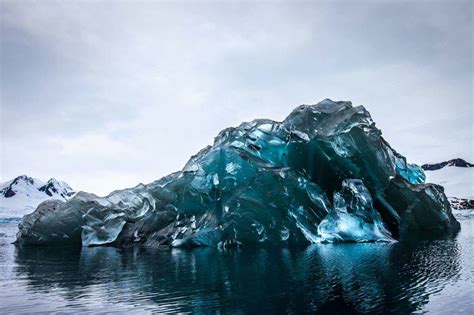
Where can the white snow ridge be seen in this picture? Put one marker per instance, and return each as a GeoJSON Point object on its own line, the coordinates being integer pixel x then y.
{"type": "Point", "coordinates": [458, 183]}
{"type": "Point", "coordinates": [23, 194]}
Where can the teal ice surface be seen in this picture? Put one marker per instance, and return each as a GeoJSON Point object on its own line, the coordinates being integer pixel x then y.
{"type": "Point", "coordinates": [264, 182]}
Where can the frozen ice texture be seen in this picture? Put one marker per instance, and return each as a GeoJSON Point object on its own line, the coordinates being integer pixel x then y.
{"type": "Point", "coordinates": [264, 182]}
{"type": "Point", "coordinates": [353, 217]}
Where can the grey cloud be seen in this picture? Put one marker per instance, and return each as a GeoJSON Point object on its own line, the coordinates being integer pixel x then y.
{"type": "Point", "coordinates": [106, 96]}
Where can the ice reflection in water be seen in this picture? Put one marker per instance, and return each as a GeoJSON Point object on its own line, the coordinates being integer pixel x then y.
{"type": "Point", "coordinates": [397, 277]}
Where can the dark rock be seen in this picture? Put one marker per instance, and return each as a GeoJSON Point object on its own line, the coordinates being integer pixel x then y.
{"type": "Point", "coordinates": [454, 162]}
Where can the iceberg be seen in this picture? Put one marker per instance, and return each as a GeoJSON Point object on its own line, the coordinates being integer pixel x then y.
{"type": "Point", "coordinates": [263, 182]}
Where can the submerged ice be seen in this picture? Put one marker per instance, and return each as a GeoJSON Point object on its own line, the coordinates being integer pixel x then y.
{"type": "Point", "coordinates": [324, 174]}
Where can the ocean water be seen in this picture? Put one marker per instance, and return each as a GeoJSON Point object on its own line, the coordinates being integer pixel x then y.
{"type": "Point", "coordinates": [404, 277]}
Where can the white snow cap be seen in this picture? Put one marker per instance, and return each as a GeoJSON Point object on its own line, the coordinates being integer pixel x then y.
{"type": "Point", "coordinates": [23, 194]}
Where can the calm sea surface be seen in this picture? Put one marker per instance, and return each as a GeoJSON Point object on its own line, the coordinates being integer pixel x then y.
{"type": "Point", "coordinates": [425, 276]}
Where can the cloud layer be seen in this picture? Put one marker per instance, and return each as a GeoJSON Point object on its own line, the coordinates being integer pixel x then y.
{"type": "Point", "coordinates": [106, 96]}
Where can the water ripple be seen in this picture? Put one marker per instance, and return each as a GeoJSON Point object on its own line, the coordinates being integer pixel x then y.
{"type": "Point", "coordinates": [402, 277]}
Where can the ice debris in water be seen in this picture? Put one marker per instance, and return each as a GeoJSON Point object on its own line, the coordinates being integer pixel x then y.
{"type": "Point", "coordinates": [263, 182]}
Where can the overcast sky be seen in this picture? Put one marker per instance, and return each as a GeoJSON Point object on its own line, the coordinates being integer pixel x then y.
{"type": "Point", "coordinates": [106, 96]}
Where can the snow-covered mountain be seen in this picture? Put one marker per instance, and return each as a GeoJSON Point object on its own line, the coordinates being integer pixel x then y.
{"type": "Point", "coordinates": [457, 178]}
{"type": "Point", "coordinates": [23, 194]}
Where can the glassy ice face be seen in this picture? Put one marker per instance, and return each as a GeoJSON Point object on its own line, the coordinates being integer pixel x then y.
{"type": "Point", "coordinates": [264, 182]}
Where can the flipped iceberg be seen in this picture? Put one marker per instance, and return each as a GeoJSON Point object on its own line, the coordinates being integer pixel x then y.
{"type": "Point", "coordinates": [263, 182]}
